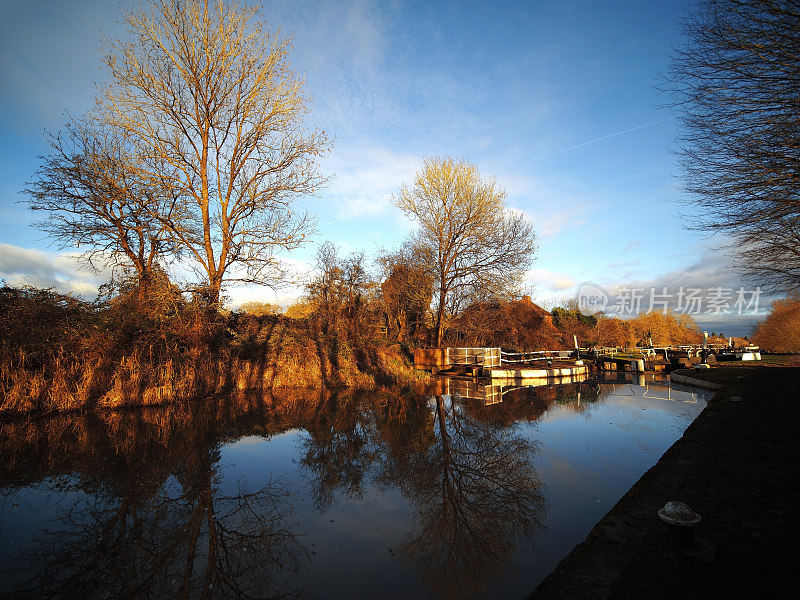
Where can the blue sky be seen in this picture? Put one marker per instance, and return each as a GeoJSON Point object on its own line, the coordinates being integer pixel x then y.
{"type": "Point", "coordinates": [558, 100]}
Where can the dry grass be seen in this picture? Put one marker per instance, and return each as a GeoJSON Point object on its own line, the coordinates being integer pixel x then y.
{"type": "Point", "coordinates": [65, 355]}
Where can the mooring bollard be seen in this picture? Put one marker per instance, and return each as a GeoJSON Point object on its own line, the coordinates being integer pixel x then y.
{"type": "Point", "coordinates": [637, 365]}
{"type": "Point", "coordinates": [681, 521]}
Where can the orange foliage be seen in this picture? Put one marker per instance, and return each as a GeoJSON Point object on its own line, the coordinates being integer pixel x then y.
{"type": "Point", "coordinates": [612, 332]}
{"type": "Point", "coordinates": [518, 324]}
{"type": "Point", "coordinates": [664, 329]}
{"type": "Point", "coordinates": [780, 331]}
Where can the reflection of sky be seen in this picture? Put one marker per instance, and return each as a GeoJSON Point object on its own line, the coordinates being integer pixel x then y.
{"type": "Point", "coordinates": [589, 456]}
{"type": "Point", "coordinates": [588, 460]}
{"type": "Point", "coordinates": [352, 543]}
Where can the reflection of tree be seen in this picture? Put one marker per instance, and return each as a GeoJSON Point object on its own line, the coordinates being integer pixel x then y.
{"type": "Point", "coordinates": [154, 534]}
{"type": "Point", "coordinates": [472, 481]}
{"type": "Point", "coordinates": [234, 545]}
{"type": "Point", "coordinates": [478, 498]}
{"type": "Point", "coordinates": [337, 454]}
{"type": "Point", "coordinates": [150, 516]}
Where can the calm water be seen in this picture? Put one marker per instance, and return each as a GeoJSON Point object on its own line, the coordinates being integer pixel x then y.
{"type": "Point", "coordinates": [474, 492]}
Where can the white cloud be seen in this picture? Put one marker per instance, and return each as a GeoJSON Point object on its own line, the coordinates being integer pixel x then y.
{"type": "Point", "coordinates": [255, 293]}
{"type": "Point", "coordinates": [297, 273]}
{"type": "Point", "coordinates": [562, 284]}
{"type": "Point", "coordinates": [549, 225]}
{"type": "Point", "coordinates": [26, 266]}
{"type": "Point", "coordinates": [366, 180]}
{"type": "Point", "coordinates": [545, 282]}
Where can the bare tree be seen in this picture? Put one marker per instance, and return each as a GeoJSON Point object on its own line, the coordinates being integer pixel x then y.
{"type": "Point", "coordinates": [92, 195]}
{"type": "Point", "coordinates": [341, 292]}
{"type": "Point", "coordinates": [145, 517]}
{"type": "Point", "coordinates": [406, 290]}
{"type": "Point", "coordinates": [479, 499]}
{"type": "Point", "coordinates": [205, 89]}
{"type": "Point", "coordinates": [736, 82]}
{"type": "Point", "coordinates": [475, 242]}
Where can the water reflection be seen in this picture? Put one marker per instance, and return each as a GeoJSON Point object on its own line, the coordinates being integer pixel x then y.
{"type": "Point", "coordinates": [494, 391]}
{"type": "Point", "coordinates": [143, 514]}
{"type": "Point", "coordinates": [339, 450]}
{"type": "Point", "coordinates": [478, 497]}
{"type": "Point", "coordinates": [151, 503]}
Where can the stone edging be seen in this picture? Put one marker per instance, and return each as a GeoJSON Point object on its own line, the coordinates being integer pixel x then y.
{"type": "Point", "coordinates": [709, 385]}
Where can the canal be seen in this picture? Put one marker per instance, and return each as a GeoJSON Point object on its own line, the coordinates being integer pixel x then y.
{"type": "Point", "coordinates": [475, 493]}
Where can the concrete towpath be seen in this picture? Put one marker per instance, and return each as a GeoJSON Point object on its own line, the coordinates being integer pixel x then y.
{"type": "Point", "coordinates": [737, 465]}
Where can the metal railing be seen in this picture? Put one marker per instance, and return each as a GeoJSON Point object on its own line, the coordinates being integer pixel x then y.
{"type": "Point", "coordinates": [526, 357]}
{"type": "Point", "coordinates": [485, 357]}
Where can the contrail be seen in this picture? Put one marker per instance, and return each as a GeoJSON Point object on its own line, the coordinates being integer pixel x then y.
{"type": "Point", "coordinates": [336, 221]}
{"type": "Point", "coordinates": [548, 155]}
{"type": "Point", "coordinates": [581, 145]}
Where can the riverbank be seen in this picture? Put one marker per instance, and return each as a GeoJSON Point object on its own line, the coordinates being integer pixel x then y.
{"type": "Point", "coordinates": [734, 466]}
{"type": "Point", "coordinates": [59, 354]}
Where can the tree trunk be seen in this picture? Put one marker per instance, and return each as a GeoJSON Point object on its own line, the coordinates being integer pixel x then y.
{"type": "Point", "coordinates": [439, 318]}
{"type": "Point", "coordinates": [212, 291]}
{"type": "Point", "coordinates": [144, 287]}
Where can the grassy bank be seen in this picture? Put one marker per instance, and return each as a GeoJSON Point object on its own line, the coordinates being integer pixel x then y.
{"type": "Point", "coordinates": [58, 354]}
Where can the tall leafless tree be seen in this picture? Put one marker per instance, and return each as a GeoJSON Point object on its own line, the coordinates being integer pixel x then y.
{"type": "Point", "coordinates": [91, 193]}
{"type": "Point", "coordinates": [475, 242]}
{"type": "Point", "coordinates": [736, 81]}
{"type": "Point", "coordinates": [205, 89]}
{"type": "Point", "coordinates": [342, 292]}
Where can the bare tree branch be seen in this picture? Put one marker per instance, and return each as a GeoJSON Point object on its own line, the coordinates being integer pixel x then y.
{"type": "Point", "coordinates": [205, 90]}
{"type": "Point", "coordinates": [92, 194]}
{"type": "Point", "coordinates": [736, 83]}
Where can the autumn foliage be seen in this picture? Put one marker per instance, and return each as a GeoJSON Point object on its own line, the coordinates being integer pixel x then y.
{"type": "Point", "coordinates": [58, 353]}
{"type": "Point", "coordinates": [780, 331]}
{"type": "Point", "coordinates": [515, 324]}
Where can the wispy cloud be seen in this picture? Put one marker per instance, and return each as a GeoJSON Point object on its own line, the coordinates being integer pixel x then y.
{"type": "Point", "coordinates": [26, 266]}
{"type": "Point", "coordinates": [631, 245]}
{"type": "Point", "coordinates": [365, 182]}
{"type": "Point", "coordinates": [545, 282]}
{"type": "Point", "coordinates": [550, 225]}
